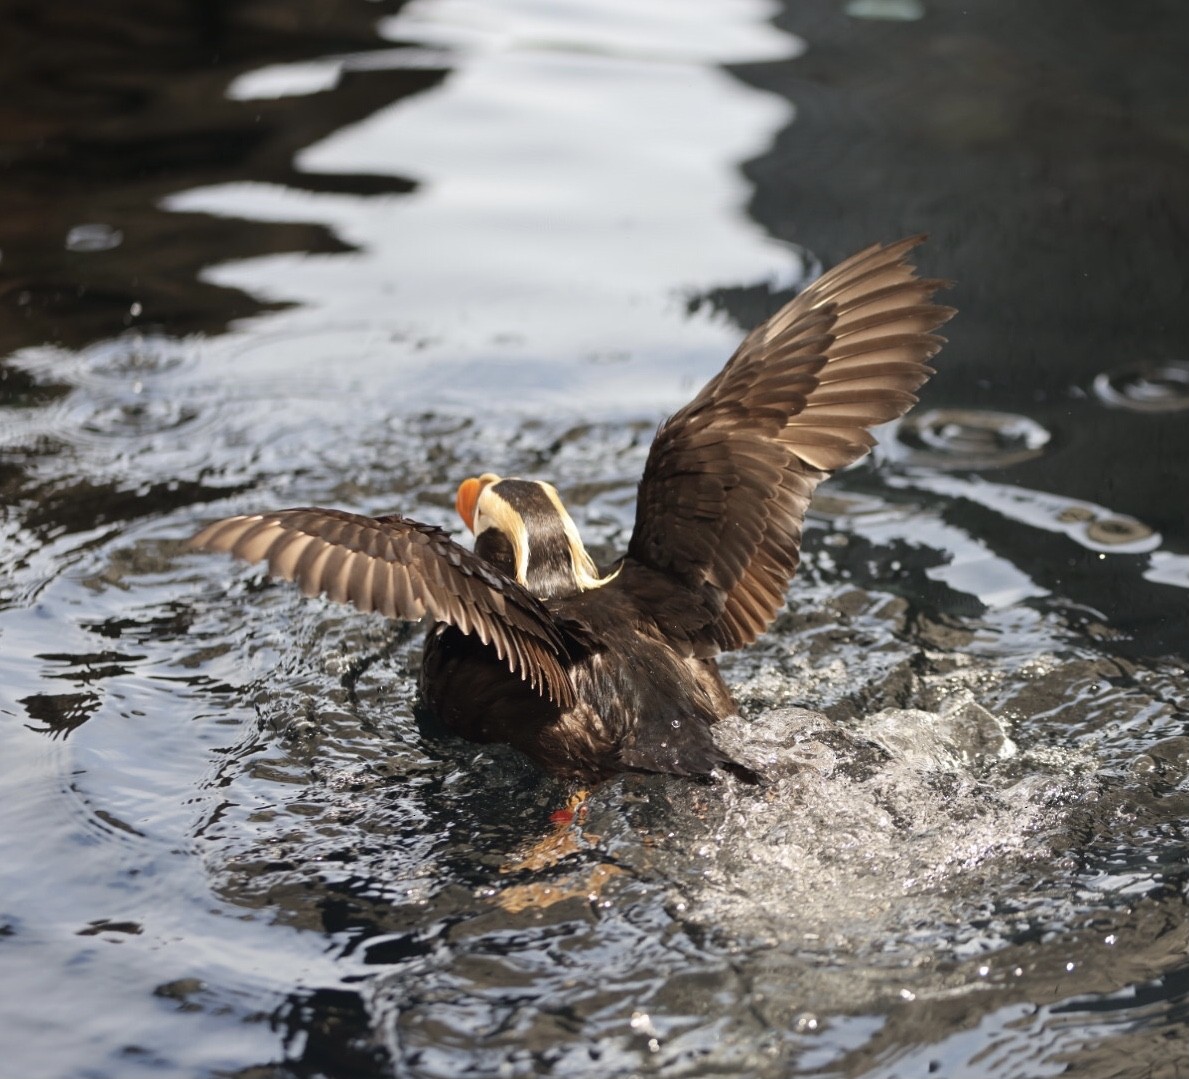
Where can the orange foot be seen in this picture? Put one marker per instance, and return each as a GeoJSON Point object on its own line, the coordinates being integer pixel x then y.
{"type": "Point", "coordinates": [562, 840]}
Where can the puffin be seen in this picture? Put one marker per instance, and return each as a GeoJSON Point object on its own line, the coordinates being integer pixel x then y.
{"type": "Point", "coordinates": [592, 671]}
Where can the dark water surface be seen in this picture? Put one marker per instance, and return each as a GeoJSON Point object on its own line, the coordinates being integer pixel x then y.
{"type": "Point", "coordinates": [347, 253]}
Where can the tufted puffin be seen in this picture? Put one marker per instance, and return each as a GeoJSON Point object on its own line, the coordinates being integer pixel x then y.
{"type": "Point", "coordinates": [589, 671]}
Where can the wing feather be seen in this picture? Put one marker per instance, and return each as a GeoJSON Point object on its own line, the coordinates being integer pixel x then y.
{"type": "Point", "coordinates": [406, 570]}
{"type": "Point", "coordinates": [729, 477]}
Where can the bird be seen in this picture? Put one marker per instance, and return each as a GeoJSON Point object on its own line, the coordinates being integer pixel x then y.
{"type": "Point", "coordinates": [592, 672]}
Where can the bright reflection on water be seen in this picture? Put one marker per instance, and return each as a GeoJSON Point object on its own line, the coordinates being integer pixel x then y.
{"type": "Point", "coordinates": [601, 141]}
{"type": "Point", "coordinates": [508, 236]}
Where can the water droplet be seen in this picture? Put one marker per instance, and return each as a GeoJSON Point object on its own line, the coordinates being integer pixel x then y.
{"type": "Point", "coordinates": [967, 438]}
{"type": "Point", "coordinates": [1161, 386]}
{"type": "Point", "coordinates": [93, 237]}
{"type": "Point", "coordinates": [642, 1022]}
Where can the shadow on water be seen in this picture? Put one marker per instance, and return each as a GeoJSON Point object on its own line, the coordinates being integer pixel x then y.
{"type": "Point", "coordinates": [262, 254]}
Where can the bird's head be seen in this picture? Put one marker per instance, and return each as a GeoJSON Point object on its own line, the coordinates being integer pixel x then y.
{"type": "Point", "coordinates": [522, 528]}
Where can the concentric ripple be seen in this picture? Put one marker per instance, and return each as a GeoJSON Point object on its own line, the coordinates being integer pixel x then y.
{"type": "Point", "coordinates": [1162, 386]}
{"type": "Point", "coordinates": [958, 438]}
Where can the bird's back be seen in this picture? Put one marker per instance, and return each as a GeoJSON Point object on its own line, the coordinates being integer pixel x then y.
{"type": "Point", "coordinates": [640, 704]}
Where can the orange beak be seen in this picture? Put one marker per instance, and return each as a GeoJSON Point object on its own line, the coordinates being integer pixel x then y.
{"type": "Point", "coordinates": [468, 497]}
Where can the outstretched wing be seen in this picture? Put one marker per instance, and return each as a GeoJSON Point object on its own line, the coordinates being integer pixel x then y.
{"type": "Point", "coordinates": [729, 477]}
{"type": "Point", "coordinates": [403, 569]}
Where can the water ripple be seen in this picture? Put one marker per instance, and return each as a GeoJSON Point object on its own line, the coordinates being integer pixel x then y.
{"type": "Point", "coordinates": [956, 438]}
{"type": "Point", "coordinates": [1086, 523]}
{"type": "Point", "coordinates": [1161, 386]}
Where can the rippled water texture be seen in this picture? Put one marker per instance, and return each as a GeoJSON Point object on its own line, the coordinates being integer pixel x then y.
{"type": "Point", "coordinates": [349, 252]}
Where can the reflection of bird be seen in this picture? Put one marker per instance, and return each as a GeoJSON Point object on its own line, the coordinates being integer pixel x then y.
{"type": "Point", "coordinates": [592, 673]}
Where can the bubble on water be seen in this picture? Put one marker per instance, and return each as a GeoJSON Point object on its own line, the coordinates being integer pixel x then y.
{"type": "Point", "coordinates": [968, 438]}
{"type": "Point", "coordinates": [1159, 386]}
{"type": "Point", "coordinates": [1163, 765]}
{"type": "Point", "coordinates": [92, 237]}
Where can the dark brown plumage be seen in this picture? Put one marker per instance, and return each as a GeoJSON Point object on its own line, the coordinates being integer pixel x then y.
{"type": "Point", "coordinates": [595, 674]}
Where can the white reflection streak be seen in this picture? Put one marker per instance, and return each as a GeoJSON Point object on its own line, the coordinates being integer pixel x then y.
{"type": "Point", "coordinates": [1165, 567]}
{"type": "Point", "coordinates": [972, 567]}
{"type": "Point", "coordinates": [1039, 509]}
{"type": "Point", "coordinates": [318, 76]}
{"type": "Point", "coordinates": [578, 180]}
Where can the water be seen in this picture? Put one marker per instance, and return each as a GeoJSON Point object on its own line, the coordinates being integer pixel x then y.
{"type": "Point", "coordinates": [347, 254]}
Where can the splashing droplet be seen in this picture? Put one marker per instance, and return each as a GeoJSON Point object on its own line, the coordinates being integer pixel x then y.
{"type": "Point", "coordinates": [1146, 387]}
{"type": "Point", "coordinates": [967, 438]}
